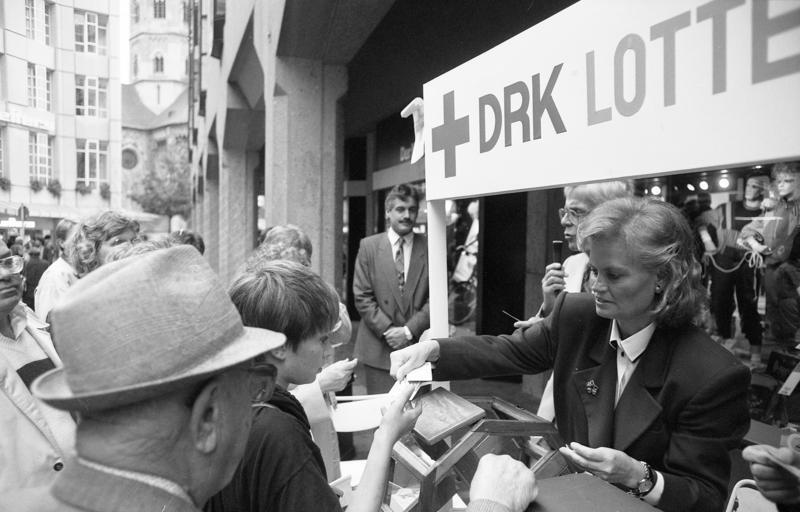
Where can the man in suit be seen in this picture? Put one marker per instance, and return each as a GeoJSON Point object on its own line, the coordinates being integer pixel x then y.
{"type": "Point", "coordinates": [390, 286]}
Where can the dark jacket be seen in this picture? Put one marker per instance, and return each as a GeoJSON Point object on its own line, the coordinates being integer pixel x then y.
{"type": "Point", "coordinates": [379, 300]}
{"type": "Point", "coordinates": [683, 409]}
{"type": "Point", "coordinates": [282, 469]}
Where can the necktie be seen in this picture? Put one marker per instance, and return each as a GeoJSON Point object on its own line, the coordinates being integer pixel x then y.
{"type": "Point", "coordinates": [399, 264]}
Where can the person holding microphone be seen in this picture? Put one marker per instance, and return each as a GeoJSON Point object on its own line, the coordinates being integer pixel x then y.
{"type": "Point", "coordinates": [573, 276]}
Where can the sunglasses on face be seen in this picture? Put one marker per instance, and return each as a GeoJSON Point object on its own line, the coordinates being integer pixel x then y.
{"type": "Point", "coordinates": [11, 264]}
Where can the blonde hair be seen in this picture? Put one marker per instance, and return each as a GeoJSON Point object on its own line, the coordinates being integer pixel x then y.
{"type": "Point", "coordinates": [658, 237]}
{"type": "Point", "coordinates": [594, 194]}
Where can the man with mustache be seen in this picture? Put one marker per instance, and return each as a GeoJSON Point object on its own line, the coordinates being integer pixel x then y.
{"type": "Point", "coordinates": [390, 287]}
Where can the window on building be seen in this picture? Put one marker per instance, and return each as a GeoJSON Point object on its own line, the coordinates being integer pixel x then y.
{"type": "Point", "coordinates": [40, 86]}
{"type": "Point", "coordinates": [92, 169]}
{"type": "Point", "coordinates": [40, 156]}
{"type": "Point", "coordinates": [159, 8]}
{"type": "Point", "coordinates": [48, 20]}
{"type": "Point", "coordinates": [129, 158]}
{"type": "Point", "coordinates": [49, 89]}
{"type": "Point", "coordinates": [158, 64]}
{"type": "Point", "coordinates": [91, 96]}
{"type": "Point", "coordinates": [135, 11]}
{"type": "Point", "coordinates": [31, 85]}
{"type": "Point", "coordinates": [135, 66]}
{"type": "Point", "coordinates": [30, 19]}
{"type": "Point", "coordinates": [90, 32]}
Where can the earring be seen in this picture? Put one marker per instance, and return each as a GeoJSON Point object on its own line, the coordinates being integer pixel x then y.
{"type": "Point", "coordinates": [658, 288]}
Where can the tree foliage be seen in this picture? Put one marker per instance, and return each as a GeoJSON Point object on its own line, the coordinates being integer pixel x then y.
{"type": "Point", "coordinates": [165, 189]}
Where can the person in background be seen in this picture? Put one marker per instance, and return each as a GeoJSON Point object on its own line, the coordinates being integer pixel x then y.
{"type": "Point", "coordinates": [643, 396]}
{"type": "Point", "coordinates": [35, 439]}
{"type": "Point", "coordinates": [283, 468]}
{"type": "Point", "coordinates": [573, 276]}
{"type": "Point", "coordinates": [95, 235]}
{"type": "Point", "coordinates": [33, 272]}
{"type": "Point", "coordinates": [730, 272]}
{"type": "Point", "coordinates": [164, 406]}
{"type": "Point", "coordinates": [192, 238]}
{"type": "Point", "coordinates": [289, 242]}
{"type": "Point", "coordinates": [772, 234]}
{"type": "Point", "coordinates": [58, 277]}
{"type": "Point", "coordinates": [787, 293]}
{"type": "Point", "coordinates": [49, 250]}
{"type": "Point", "coordinates": [390, 288]}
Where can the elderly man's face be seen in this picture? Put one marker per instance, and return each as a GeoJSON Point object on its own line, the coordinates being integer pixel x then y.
{"type": "Point", "coordinates": [10, 280]}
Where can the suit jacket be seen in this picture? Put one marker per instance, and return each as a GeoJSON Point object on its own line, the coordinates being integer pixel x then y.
{"type": "Point", "coordinates": [80, 488]}
{"type": "Point", "coordinates": [379, 300]}
{"type": "Point", "coordinates": [682, 410]}
{"type": "Point", "coordinates": [36, 438]}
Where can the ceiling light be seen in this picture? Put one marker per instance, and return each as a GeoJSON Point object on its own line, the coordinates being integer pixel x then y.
{"type": "Point", "coordinates": [690, 187]}
{"type": "Point", "coordinates": [724, 183]}
{"type": "Point", "coordinates": [703, 185]}
{"type": "Point", "coordinates": [655, 190]}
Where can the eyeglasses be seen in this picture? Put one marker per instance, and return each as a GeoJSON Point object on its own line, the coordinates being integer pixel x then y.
{"type": "Point", "coordinates": [572, 214]}
{"type": "Point", "coordinates": [11, 265]}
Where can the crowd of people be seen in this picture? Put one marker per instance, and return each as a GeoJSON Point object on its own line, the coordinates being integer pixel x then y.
{"type": "Point", "coordinates": [133, 379]}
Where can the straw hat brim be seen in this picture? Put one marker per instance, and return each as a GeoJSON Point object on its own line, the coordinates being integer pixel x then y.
{"type": "Point", "coordinates": [52, 388]}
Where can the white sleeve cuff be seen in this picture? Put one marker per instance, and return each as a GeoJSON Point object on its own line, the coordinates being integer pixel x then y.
{"type": "Point", "coordinates": [409, 336]}
{"type": "Point", "coordinates": [654, 496]}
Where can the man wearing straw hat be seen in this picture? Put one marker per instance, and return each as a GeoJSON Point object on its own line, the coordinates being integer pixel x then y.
{"type": "Point", "coordinates": [160, 370]}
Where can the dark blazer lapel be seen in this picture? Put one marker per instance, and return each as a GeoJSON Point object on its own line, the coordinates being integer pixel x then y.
{"type": "Point", "coordinates": [386, 264]}
{"type": "Point", "coordinates": [596, 387]}
{"type": "Point", "coordinates": [637, 409]}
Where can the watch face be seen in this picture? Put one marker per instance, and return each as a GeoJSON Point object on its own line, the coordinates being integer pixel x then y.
{"type": "Point", "coordinates": [647, 482]}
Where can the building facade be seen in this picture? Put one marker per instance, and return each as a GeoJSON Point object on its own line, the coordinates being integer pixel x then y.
{"type": "Point", "coordinates": [60, 109]}
{"type": "Point", "coordinates": [155, 103]}
{"type": "Point", "coordinates": [295, 106]}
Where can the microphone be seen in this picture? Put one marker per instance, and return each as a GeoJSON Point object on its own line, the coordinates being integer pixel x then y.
{"type": "Point", "coordinates": [556, 254]}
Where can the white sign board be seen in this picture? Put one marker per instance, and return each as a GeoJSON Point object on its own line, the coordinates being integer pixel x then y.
{"type": "Point", "coordinates": [619, 88]}
{"type": "Point", "coordinates": [13, 223]}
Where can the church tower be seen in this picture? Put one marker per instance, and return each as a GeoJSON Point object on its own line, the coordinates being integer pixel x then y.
{"type": "Point", "coordinates": [159, 50]}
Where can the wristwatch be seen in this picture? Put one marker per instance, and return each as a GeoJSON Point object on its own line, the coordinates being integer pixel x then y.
{"type": "Point", "coordinates": [647, 483]}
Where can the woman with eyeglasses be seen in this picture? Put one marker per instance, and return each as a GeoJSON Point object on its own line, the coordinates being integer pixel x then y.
{"type": "Point", "coordinates": [573, 276]}
{"type": "Point", "coordinates": [643, 396]}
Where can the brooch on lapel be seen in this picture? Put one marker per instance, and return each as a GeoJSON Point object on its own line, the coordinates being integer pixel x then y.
{"type": "Point", "coordinates": [591, 388]}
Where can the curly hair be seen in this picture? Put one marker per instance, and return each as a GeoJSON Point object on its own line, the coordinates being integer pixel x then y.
{"type": "Point", "coordinates": [594, 194]}
{"type": "Point", "coordinates": [659, 238]}
{"type": "Point", "coordinates": [83, 246]}
{"type": "Point", "coordinates": [286, 242]}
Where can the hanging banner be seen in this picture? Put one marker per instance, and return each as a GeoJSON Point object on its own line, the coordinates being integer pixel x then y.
{"type": "Point", "coordinates": [619, 88]}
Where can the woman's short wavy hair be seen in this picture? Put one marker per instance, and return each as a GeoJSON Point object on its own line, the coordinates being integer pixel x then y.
{"type": "Point", "coordinates": [659, 238]}
{"type": "Point", "coordinates": [594, 194]}
{"type": "Point", "coordinates": [83, 245]}
{"type": "Point", "coordinates": [285, 242]}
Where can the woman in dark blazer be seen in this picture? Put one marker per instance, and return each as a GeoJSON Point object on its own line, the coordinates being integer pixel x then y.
{"type": "Point", "coordinates": [644, 398]}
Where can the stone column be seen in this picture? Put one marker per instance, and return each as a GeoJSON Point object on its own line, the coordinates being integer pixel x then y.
{"type": "Point", "coordinates": [304, 172]}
